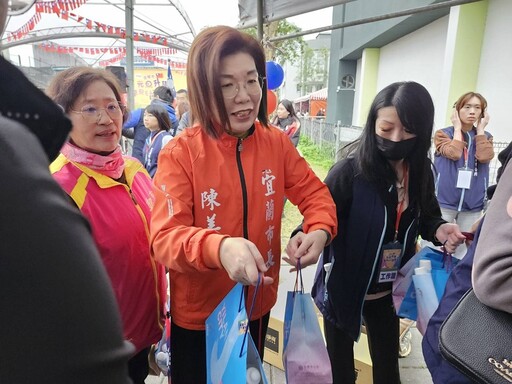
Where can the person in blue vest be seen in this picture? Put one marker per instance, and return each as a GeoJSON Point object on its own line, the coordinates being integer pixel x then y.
{"type": "Point", "coordinates": [157, 121]}
{"type": "Point", "coordinates": [384, 195]}
{"type": "Point", "coordinates": [134, 127]}
{"type": "Point", "coordinates": [462, 155]}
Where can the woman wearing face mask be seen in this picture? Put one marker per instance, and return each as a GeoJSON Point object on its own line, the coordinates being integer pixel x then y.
{"type": "Point", "coordinates": [384, 194]}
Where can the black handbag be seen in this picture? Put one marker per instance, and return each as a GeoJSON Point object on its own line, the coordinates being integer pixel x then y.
{"type": "Point", "coordinates": [477, 340]}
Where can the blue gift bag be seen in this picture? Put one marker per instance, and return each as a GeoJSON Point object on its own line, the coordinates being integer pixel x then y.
{"type": "Point", "coordinates": [305, 356]}
{"type": "Point", "coordinates": [231, 356]}
{"type": "Point", "coordinates": [404, 296]}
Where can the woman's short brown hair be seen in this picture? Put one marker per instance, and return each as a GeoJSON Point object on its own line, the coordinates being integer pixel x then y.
{"type": "Point", "coordinates": [67, 86]}
{"type": "Point", "coordinates": [203, 80]}
{"type": "Point", "coordinates": [468, 95]}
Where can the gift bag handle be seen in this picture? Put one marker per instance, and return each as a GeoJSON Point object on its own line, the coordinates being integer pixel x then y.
{"type": "Point", "coordinates": [447, 259]}
{"type": "Point", "coordinates": [299, 283]}
{"type": "Point", "coordinates": [260, 281]}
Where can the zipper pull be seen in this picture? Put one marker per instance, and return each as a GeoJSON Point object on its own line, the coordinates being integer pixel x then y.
{"type": "Point", "coordinates": [133, 196]}
{"type": "Point", "coordinates": [240, 146]}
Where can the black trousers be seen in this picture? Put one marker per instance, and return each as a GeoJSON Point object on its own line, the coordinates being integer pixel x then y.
{"type": "Point", "coordinates": [138, 367]}
{"type": "Point", "coordinates": [382, 328]}
{"type": "Point", "coordinates": [188, 351]}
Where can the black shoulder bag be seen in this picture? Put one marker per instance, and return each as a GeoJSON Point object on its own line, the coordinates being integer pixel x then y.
{"type": "Point", "coordinates": [477, 340]}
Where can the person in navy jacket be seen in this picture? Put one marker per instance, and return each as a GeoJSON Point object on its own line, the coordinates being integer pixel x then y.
{"type": "Point", "coordinates": [157, 121]}
{"type": "Point", "coordinates": [384, 195]}
{"type": "Point", "coordinates": [134, 127]}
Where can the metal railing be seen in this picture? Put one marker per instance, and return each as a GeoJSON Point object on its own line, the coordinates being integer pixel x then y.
{"type": "Point", "coordinates": [126, 146]}
{"type": "Point", "coordinates": [331, 138]}
{"type": "Point", "coordinates": [495, 164]}
{"type": "Point", "coordinates": [327, 136]}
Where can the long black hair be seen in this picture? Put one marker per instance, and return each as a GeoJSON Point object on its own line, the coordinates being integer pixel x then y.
{"type": "Point", "coordinates": [288, 105]}
{"type": "Point", "coordinates": [415, 109]}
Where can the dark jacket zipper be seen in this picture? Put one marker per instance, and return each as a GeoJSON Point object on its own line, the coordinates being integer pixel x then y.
{"type": "Point", "coordinates": [239, 148]}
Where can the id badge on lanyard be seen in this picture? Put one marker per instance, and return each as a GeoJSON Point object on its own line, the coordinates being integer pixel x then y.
{"type": "Point", "coordinates": [464, 178]}
{"type": "Point", "coordinates": [391, 253]}
{"type": "Point", "coordinates": [464, 174]}
{"type": "Point", "coordinates": [390, 259]}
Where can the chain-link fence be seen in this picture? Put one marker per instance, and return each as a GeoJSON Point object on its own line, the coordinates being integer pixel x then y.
{"type": "Point", "coordinates": [329, 138]}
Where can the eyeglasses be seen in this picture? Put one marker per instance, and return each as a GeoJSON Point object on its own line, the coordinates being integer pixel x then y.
{"type": "Point", "coordinates": [252, 86]}
{"type": "Point", "coordinates": [92, 114]}
{"type": "Point", "coordinates": [18, 7]}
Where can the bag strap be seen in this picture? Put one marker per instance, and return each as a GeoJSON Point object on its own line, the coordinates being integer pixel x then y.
{"type": "Point", "coordinates": [299, 283]}
{"type": "Point", "coordinates": [447, 259]}
{"type": "Point", "coordinates": [260, 281]}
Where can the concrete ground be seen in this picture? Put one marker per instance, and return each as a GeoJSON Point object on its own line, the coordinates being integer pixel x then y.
{"type": "Point", "coordinates": [412, 368]}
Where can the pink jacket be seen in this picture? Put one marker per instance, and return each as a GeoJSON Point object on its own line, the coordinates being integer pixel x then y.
{"type": "Point", "coordinates": [119, 215]}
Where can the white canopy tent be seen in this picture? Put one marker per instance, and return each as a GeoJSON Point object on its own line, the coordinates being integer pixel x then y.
{"type": "Point", "coordinates": [272, 10]}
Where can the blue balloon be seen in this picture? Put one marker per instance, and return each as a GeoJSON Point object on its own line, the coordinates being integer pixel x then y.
{"type": "Point", "coordinates": [275, 75]}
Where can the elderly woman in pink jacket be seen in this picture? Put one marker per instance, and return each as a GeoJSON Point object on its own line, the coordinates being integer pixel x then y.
{"type": "Point", "coordinates": [114, 193]}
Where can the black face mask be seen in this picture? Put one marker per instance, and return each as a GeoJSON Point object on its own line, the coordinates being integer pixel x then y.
{"type": "Point", "coordinates": [395, 150]}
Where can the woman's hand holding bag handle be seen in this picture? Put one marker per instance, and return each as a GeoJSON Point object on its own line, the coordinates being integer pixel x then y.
{"type": "Point", "coordinates": [305, 356]}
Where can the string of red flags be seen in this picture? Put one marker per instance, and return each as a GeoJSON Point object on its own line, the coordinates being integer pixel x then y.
{"type": "Point", "coordinates": [53, 47]}
{"type": "Point", "coordinates": [57, 6]}
{"type": "Point", "coordinates": [62, 9]}
{"type": "Point", "coordinates": [149, 54]}
{"type": "Point", "coordinates": [112, 60]}
{"type": "Point", "coordinates": [25, 28]}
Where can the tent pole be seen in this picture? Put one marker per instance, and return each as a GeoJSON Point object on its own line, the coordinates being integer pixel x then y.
{"type": "Point", "coordinates": [412, 11]}
{"type": "Point", "coordinates": [259, 16]}
{"type": "Point", "coordinates": [129, 53]}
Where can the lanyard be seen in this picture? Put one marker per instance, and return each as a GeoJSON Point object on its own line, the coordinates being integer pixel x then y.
{"type": "Point", "coordinates": [152, 139]}
{"type": "Point", "coordinates": [400, 206]}
{"type": "Point", "coordinates": [466, 157]}
{"type": "Point", "coordinates": [466, 150]}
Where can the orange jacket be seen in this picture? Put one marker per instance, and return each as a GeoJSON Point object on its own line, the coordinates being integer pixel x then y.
{"type": "Point", "coordinates": [206, 190]}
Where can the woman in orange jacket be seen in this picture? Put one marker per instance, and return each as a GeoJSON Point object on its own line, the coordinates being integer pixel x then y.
{"type": "Point", "coordinates": [219, 195]}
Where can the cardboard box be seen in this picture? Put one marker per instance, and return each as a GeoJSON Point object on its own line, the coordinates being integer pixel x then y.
{"type": "Point", "coordinates": [274, 337]}
{"type": "Point", "coordinates": [274, 343]}
{"type": "Point", "coordinates": [363, 361]}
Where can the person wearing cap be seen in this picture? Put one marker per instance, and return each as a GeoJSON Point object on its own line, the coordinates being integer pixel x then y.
{"type": "Point", "coordinates": [60, 322]}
